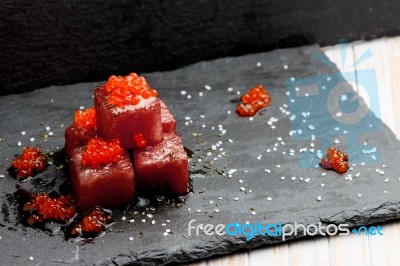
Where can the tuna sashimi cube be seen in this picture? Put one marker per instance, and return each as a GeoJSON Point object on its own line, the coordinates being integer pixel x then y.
{"type": "Point", "coordinates": [109, 186]}
{"type": "Point", "coordinates": [76, 137]}
{"type": "Point", "coordinates": [123, 123]}
{"type": "Point", "coordinates": [163, 168]}
{"type": "Point", "coordinates": [167, 119]}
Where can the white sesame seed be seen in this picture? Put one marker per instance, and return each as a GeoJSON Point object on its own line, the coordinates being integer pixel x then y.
{"type": "Point", "coordinates": [293, 178]}
{"type": "Point", "coordinates": [242, 188]}
{"type": "Point", "coordinates": [337, 141]}
{"type": "Point", "coordinates": [253, 213]}
{"type": "Point", "coordinates": [259, 157]}
{"type": "Point", "coordinates": [269, 198]}
{"type": "Point", "coordinates": [285, 66]}
{"type": "Point", "coordinates": [183, 92]}
{"type": "Point", "coordinates": [207, 87]}
{"type": "Point", "coordinates": [258, 64]}
{"type": "Point", "coordinates": [339, 114]}
{"type": "Point", "coordinates": [150, 215]}
{"type": "Point", "coordinates": [282, 177]}
{"type": "Point", "coordinates": [216, 210]}
{"type": "Point", "coordinates": [30, 258]}
{"type": "Point", "coordinates": [385, 191]}
{"type": "Point", "coordinates": [132, 220]}
{"type": "Point", "coordinates": [51, 133]}
{"type": "Point", "coordinates": [198, 210]}
{"type": "Point", "coordinates": [23, 133]}
{"type": "Point", "coordinates": [319, 198]}
{"type": "Point", "coordinates": [130, 238]}
{"type": "Point", "coordinates": [278, 165]}
{"type": "Point", "coordinates": [143, 220]}
{"type": "Point", "coordinates": [165, 233]}
{"type": "Point", "coordinates": [238, 92]}
{"type": "Point", "coordinates": [386, 180]}
{"type": "Point", "coordinates": [32, 139]}
{"type": "Point", "coordinates": [201, 94]}
{"type": "Point", "coordinates": [268, 171]}
{"type": "Point", "coordinates": [251, 118]}
{"type": "Point", "coordinates": [47, 128]}
{"type": "Point", "coordinates": [359, 195]}
{"type": "Point", "coordinates": [230, 89]}
{"type": "Point", "coordinates": [240, 181]}
{"type": "Point", "coordinates": [81, 107]}
{"type": "Point", "coordinates": [123, 218]}
{"type": "Point", "coordinates": [236, 199]}
{"type": "Point", "coordinates": [153, 222]}
{"type": "Point", "coordinates": [322, 185]}
{"type": "Point", "coordinates": [220, 198]}
{"type": "Point", "coordinates": [307, 180]}
{"type": "Point", "coordinates": [19, 143]}
{"type": "Point", "coordinates": [189, 96]}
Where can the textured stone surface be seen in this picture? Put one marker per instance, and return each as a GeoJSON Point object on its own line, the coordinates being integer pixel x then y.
{"type": "Point", "coordinates": [292, 201]}
{"type": "Point", "coordinates": [63, 42]}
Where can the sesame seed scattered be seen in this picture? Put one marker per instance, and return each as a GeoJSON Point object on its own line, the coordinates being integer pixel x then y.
{"type": "Point", "coordinates": [253, 213]}
{"type": "Point", "coordinates": [251, 118]}
{"type": "Point", "coordinates": [143, 220]}
{"type": "Point", "coordinates": [220, 198]}
{"type": "Point", "coordinates": [30, 258]}
{"type": "Point", "coordinates": [385, 191]}
{"type": "Point", "coordinates": [322, 184]}
{"type": "Point", "coordinates": [230, 89]}
{"type": "Point", "coordinates": [386, 180]}
{"type": "Point", "coordinates": [19, 143]}
{"type": "Point", "coordinates": [123, 218]}
{"type": "Point", "coordinates": [130, 238]}
{"type": "Point", "coordinates": [201, 94]}
{"type": "Point", "coordinates": [337, 141]}
{"type": "Point", "coordinates": [319, 198]}
{"type": "Point", "coordinates": [216, 210]}
{"type": "Point", "coordinates": [236, 199]}
{"type": "Point", "coordinates": [293, 178]}
{"type": "Point", "coordinates": [258, 64]}
{"type": "Point", "coordinates": [268, 171]}
{"type": "Point", "coordinates": [153, 222]}
{"type": "Point", "coordinates": [183, 92]}
{"type": "Point", "coordinates": [259, 157]}
{"type": "Point", "coordinates": [307, 180]}
{"type": "Point", "coordinates": [132, 220]}
{"type": "Point", "coordinates": [23, 133]}
{"type": "Point", "coordinates": [238, 92]}
{"type": "Point", "coordinates": [189, 96]}
{"type": "Point", "coordinates": [207, 87]}
{"type": "Point", "coordinates": [285, 66]}
{"type": "Point", "coordinates": [32, 139]}
{"type": "Point", "coordinates": [240, 181]}
{"type": "Point", "coordinates": [282, 177]}
{"type": "Point", "coordinates": [165, 233]}
{"type": "Point", "coordinates": [269, 198]}
{"type": "Point", "coordinates": [81, 107]}
{"type": "Point", "coordinates": [242, 188]}
{"type": "Point", "coordinates": [150, 215]}
{"type": "Point", "coordinates": [198, 210]}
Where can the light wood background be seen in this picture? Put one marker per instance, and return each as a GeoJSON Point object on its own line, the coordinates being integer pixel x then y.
{"type": "Point", "coordinates": [352, 250]}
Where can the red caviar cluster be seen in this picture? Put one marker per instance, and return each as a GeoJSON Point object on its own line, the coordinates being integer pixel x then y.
{"type": "Point", "coordinates": [31, 162]}
{"type": "Point", "coordinates": [128, 90]}
{"type": "Point", "coordinates": [139, 140]}
{"type": "Point", "coordinates": [44, 208]}
{"type": "Point", "coordinates": [101, 152]}
{"type": "Point", "coordinates": [253, 101]}
{"type": "Point", "coordinates": [86, 119]}
{"type": "Point", "coordinates": [336, 160]}
{"type": "Point", "coordinates": [93, 223]}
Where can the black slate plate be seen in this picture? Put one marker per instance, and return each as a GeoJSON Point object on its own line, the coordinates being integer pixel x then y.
{"type": "Point", "coordinates": [290, 200]}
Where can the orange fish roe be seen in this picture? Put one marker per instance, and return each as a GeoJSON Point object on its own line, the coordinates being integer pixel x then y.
{"type": "Point", "coordinates": [253, 101]}
{"type": "Point", "coordinates": [128, 90]}
{"type": "Point", "coordinates": [100, 152]}
{"type": "Point", "coordinates": [336, 160]}
{"type": "Point", "coordinates": [139, 140]}
{"type": "Point", "coordinates": [86, 119]}
{"type": "Point", "coordinates": [44, 208]}
{"type": "Point", "coordinates": [31, 162]}
{"type": "Point", "coordinates": [92, 223]}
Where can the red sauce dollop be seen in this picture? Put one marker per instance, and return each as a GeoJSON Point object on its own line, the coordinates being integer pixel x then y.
{"type": "Point", "coordinates": [128, 90]}
{"type": "Point", "coordinates": [335, 160]}
{"type": "Point", "coordinates": [31, 162]}
{"type": "Point", "coordinates": [85, 119]}
{"type": "Point", "coordinates": [101, 152]}
{"type": "Point", "coordinates": [92, 223]}
{"type": "Point", "coordinates": [43, 208]}
{"type": "Point", "coordinates": [254, 100]}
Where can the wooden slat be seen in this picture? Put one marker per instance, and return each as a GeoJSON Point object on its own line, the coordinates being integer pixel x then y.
{"type": "Point", "coordinates": [236, 259]}
{"type": "Point", "coordinates": [392, 47]}
{"type": "Point", "coordinates": [313, 252]}
{"type": "Point", "coordinates": [277, 255]}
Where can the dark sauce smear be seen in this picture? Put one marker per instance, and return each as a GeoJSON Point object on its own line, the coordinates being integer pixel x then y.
{"type": "Point", "coordinates": [46, 201]}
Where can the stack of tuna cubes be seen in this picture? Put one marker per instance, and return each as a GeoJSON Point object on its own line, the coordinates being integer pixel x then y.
{"type": "Point", "coordinates": [153, 161]}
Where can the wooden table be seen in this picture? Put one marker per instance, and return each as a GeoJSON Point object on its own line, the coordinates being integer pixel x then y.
{"type": "Point", "coordinates": [352, 249]}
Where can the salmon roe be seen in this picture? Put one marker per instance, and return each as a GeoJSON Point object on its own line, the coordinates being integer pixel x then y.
{"type": "Point", "coordinates": [101, 152]}
{"type": "Point", "coordinates": [93, 223]}
{"type": "Point", "coordinates": [139, 140]}
{"type": "Point", "coordinates": [335, 160]}
{"type": "Point", "coordinates": [86, 119]}
{"type": "Point", "coordinates": [128, 90]}
{"type": "Point", "coordinates": [31, 162]}
{"type": "Point", "coordinates": [43, 208]}
{"type": "Point", "coordinates": [254, 100]}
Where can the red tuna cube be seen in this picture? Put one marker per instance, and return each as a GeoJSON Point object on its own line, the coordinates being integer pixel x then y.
{"type": "Point", "coordinates": [167, 119]}
{"type": "Point", "coordinates": [108, 186]}
{"type": "Point", "coordinates": [76, 137]}
{"type": "Point", "coordinates": [163, 168]}
{"type": "Point", "coordinates": [123, 123]}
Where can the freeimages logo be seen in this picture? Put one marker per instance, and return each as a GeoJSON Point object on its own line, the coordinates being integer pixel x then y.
{"type": "Point", "coordinates": [328, 107]}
